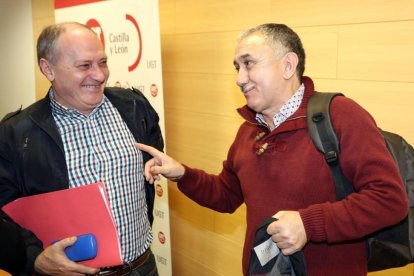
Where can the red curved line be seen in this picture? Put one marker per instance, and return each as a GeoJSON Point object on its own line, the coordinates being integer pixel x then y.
{"type": "Point", "coordinates": [134, 22]}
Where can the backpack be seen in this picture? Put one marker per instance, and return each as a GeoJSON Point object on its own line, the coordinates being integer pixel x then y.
{"type": "Point", "coordinates": [392, 246]}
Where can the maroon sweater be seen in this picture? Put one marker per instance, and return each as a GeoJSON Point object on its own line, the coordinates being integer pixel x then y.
{"type": "Point", "coordinates": [292, 175]}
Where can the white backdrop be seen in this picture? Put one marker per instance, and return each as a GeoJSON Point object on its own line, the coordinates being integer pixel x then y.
{"type": "Point", "coordinates": [130, 32]}
{"type": "Point", "coordinates": [16, 55]}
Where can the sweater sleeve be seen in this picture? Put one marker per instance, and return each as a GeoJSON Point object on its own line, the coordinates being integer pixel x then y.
{"type": "Point", "coordinates": [379, 199]}
{"type": "Point", "coordinates": [221, 192]}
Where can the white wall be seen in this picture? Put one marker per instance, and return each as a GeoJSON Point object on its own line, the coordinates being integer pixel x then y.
{"type": "Point", "coordinates": [16, 55]}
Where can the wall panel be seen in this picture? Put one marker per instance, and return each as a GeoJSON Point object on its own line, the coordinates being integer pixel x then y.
{"type": "Point", "coordinates": [218, 16]}
{"type": "Point", "coordinates": [208, 114]}
{"type": "Point", "coordinates": [321, 49]}
{"type": "Point", "coordinates": [184, 208]}
{"type": "Point", "coordinates": [210, 53]}
{"type": "Point", "coordinates": [207, 92]}
{"type": "Point", "coordinates": [43, 15]}
{"type": "Point", "coordinates": [167, 16]}
{"type": "Point", "coordinates": [232, 226]}
{"type": "Point", "coordinates": [188, 265]}
{"type": "Point", "coordinates": [338, 12]}
{"type": "Point", "coordinates": [380, 51]}
{"type": "Point", "coordinates": [16, 55]}
{"type": "Point", "coordinates": [208, 248]}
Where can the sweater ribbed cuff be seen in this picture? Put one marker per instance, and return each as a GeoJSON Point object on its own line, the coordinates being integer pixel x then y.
{"type": "Point", "coordinates": [181, 183]}
{"type": "Point", "coordinates": [314, 223]}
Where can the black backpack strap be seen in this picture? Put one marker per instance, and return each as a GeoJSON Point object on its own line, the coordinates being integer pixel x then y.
{"type": "Point", "coordinates": [324, 137]}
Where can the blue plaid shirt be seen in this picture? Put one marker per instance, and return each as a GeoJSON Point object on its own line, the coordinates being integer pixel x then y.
{"type": "Point", "coordinates": [100, 147]}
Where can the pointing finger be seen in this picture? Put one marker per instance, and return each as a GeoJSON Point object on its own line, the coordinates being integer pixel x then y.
{"type": "Point", "coordinates": [153, 151]}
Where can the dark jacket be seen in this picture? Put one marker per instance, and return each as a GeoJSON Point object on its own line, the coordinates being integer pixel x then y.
{"type": "Point", "coordinates": [12, 247]}
{"type": "Point", "coordinates": [32, 158]}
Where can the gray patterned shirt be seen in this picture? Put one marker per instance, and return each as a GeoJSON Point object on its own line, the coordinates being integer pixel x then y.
{"type": "Point", "coordinates": [287, 109]}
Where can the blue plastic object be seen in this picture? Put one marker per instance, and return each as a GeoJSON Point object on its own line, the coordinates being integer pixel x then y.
{"type": "Point", "coordinates": [85, 248]}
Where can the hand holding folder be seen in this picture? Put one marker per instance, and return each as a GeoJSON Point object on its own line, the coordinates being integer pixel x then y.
{"type": "Point", "coordinates": [71, 212]}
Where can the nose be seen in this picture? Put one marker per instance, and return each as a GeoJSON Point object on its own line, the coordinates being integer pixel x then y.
{"type": "Point", "coordinates": [100, 73]}
{"type": "Point", "coordinates": [242, 77]}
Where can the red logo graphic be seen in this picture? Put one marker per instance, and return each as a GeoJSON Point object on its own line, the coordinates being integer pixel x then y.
{"type": "Point", "coordinates": [161, 237]}
{"type": "Point", "coordinates": [154, 90]}
{"type": "Point", "coordinates": [159, 190]}
{"type": "Point", "coordinates": [134, 22]}
{"type": "Point", "coordinates": [94, 24]}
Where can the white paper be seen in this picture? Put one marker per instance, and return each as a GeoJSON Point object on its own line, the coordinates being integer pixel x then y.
{"type": "Point", "coordinates": [266, 251]}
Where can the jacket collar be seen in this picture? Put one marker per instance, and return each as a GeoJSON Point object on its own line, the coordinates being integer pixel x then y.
{"type": "Point", "coordinates": [127, 108]}
{"type": "Point", "coordinates": [41, 114]}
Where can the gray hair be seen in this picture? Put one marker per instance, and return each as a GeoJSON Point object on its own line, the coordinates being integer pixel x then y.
{"type": "Point", "coordinates": [280, 35]}
{"type": "Point", "coordinates": [46, 43]}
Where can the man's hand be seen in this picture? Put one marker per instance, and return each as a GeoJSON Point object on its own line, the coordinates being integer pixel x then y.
{"type": "Point", "coordinates": [53, 261]}
{"type": "Point", "coordinates": [161, 164]}
{"type": "Point", "coordinates": [288, 232]}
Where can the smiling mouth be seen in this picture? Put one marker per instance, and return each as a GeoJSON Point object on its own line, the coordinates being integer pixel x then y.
{"type": "Point", "coordinates": [246, 88]}
{"type": "Point", "coordinates": [92, 86]}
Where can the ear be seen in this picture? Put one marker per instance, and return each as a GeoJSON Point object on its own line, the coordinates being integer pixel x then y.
{"type": "Point", "coordinates": [290, 63]}
{"type": "Point", "coordinates": [46, 69]}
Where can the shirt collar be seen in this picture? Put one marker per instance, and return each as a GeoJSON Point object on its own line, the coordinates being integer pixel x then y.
{"type": "Point", "coordinates": [59, 109]}
{"type": "Point", "coordinates": [286, 110]}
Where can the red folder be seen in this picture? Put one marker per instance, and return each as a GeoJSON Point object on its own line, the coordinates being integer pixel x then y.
{"type": "Point", "coordinates": [71, 212]}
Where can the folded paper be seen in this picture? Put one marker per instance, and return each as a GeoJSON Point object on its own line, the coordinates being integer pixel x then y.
{"type": "Point", "coordinates": [71, 212]}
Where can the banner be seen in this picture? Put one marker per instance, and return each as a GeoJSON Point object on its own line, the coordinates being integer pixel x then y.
{"type": "Point", "coordinates": [130, 31]}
